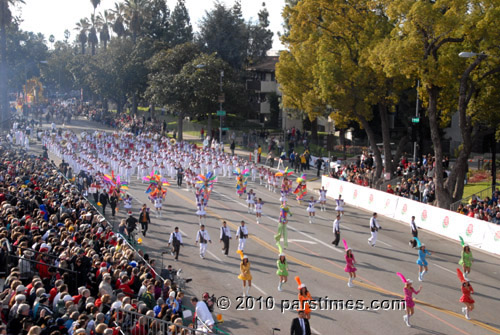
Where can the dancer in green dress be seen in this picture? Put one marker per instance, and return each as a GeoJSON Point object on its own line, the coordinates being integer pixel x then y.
{"type": "Point", "coordinates": [282, 271]}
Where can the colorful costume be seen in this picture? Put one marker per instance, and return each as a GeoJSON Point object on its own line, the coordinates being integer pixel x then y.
{"type": "Point", "coordinates": [244, 268]}
{"type": "Point", "coordinates": [207, 183]}
{"type": "Point", "coordinates": [282, 229]}
{"type": "Point", "coordinates": [301, 189]}
{"type": "Point", "coordinates": [304, 299]}
{"type": "Point", "coordinates": [409, 296]}
{"type": "Point", "coordinates": [241, 180]}
{"type": "Point", "coordinates": [350, 264]}
{"type": "Point", "coordinates": [466, 259]}
{"type": "Point", "coordinates": [421, 257]}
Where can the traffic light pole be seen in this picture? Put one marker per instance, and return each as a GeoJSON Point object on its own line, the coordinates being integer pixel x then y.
{"type": "Point", "coordinates": [417, 116]}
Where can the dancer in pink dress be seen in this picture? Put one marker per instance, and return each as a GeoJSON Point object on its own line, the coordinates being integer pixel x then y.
{"type": "Point", "coordinates": [349, 267]}
{"type": "Point", "coordinates": [410, 304]}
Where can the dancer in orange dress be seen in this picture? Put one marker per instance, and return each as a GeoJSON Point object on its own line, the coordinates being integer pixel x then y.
{"type": "Point", "coordinates": [305, 299]}
{"type": "Point", "coordinates": [466, 298]}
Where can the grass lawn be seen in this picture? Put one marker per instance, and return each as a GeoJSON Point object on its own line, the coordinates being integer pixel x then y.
{"type": "Point", "coordinates": [475, 188]}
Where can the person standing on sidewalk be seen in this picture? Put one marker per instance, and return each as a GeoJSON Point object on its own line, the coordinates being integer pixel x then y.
{"type": "Point", "coordinates": [319, 165]}
{"type": "Point", "coordinates": [232, 147]}
{"type": "Point", "coordinates": [414, 232]}
{"type": "Point", "coordinates": [176, 242]}
{"type": "Point", "coordinates": [225, 236]}
{"type": "Point", "coordinates": [336, 231]}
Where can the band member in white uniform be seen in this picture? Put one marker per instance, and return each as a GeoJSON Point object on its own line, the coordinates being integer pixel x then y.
{"type": "Point", "coordinates": [158, 205]}
{"type": "Point", "coordinates": [258, 209]}
{"type": "Point", "coordinates": [322, 198]}
{"type": "Point", "coordinates": [374, 227]}
{"type": "Point", "coordinates": [242, 234]}
{"type": "Point", "coordinates": [202, 214]}
{"type": "Point", "coordinates": [251, 201]}
{"type": "Point", "coordinates": [311, 210]}
{"type": "Point", "coordinates": [340, 205]}
{"type": "Point", "coordinates": [127, 202]}
{"type": "Point", "coordinates": [203, 238]}
{"type": "Point", "coordinates": [283, 198]}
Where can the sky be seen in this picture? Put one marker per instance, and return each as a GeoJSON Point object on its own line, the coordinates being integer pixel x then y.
{"type": "Point", "coordinates": [54, 16]}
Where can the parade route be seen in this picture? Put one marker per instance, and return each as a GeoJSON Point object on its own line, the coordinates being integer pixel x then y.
{"type": "Point", "coordinates": [319, 264]}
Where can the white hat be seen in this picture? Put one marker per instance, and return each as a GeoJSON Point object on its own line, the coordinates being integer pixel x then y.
{"type": "Point", "coordinates": [21, 288]}
{"type": "Point", "coordinates": [409, 281]}
{"type": "Point", "coordinates": [422, 245]}
{"type": "Point", "coordinates": [301, 286]}
{"type": "Point", "coordinates": [282, 254]}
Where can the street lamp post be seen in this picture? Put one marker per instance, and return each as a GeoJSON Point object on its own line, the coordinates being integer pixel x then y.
{"type": "Point", "coordinates": [221, 100]}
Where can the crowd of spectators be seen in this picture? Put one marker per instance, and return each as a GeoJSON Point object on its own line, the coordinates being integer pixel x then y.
{"type": "Point", "coordinates": [483, 209]}
{"type": "Point", "coordinates": [64, 270]}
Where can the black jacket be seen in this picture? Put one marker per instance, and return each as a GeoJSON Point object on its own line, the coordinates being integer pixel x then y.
{"type": "Point", "coordinates": [297, 330]}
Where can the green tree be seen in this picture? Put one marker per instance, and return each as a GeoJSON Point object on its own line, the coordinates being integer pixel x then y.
{"type": "Point", "coordinates": [5, 22]}
{"type": "Point", "coordinates": [424, 44]}
{"type": "Point", "coordinates": [118, 23]}
{"type": "Point", "coordinates": [260, 37]}
{"type": "Point", "coordinates": [82, 27]}
{"type": "Point", "coordinates": [56, 73]}
{"type": "Point", "coordinates": [95, 3]}
{"type": "Point", "coordinates": [92, 36]}
{"type": "Point", "coordinates": [180, 25]}
{"type": "Point", "coordinates": [103, 23]}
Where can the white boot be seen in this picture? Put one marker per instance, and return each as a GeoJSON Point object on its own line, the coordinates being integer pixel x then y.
{"type": "Point", "coordinates": [279, 286]}
{"type": "Point", "coordinates": [467, 314]}
{"type": "Point", "coordinates": [420, 276]}
{"type": "Point", "coordinates": [463, 310]}
{"type": "Point", "coordinates": [244, 293]}
{"type": "Point", "coordinates": [423, 274]}
{"type": "Point", "coordinates": [465, 276]}
{"type": "Point", "coordinates": [310, 220]}
{"type": "Point", "coordinates": [248, 289]}
{"type": "Point", "coordinates": [258, 222]}
{"type": "Point", "coordinates": [349, 283]}
{"type": "Point", "coordinates": [407, 320]}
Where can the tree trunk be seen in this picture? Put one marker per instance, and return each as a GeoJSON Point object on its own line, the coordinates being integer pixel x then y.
{"type": "Point", "coordinates": [4, 103]}
{"type": "Point", "coordinates": [373, 145]}
{"type": "Point", "coordinates": [314, 131]}
{"type": "Point", "coordinates": [493, 164]}
{"type": "Point", "coordinates": [443, 198]}
{"type": "Point", "coordinates": [180, 119]}
{"type": "Point", "coordinates": [209, 125]}
{"type": "Point", "coordinates": [399, 152]}
{"type": "Point", "coordinates": [386, 139]}
{"type": "Point", "coordinates": [455, 183]}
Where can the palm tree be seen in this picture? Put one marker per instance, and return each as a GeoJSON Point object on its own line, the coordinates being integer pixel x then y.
{"type": "Point", "coordinates": [93, 41]}
{"type": "Point", "coordinates": [95, 3]}
{"type": "Point", "coordinates": [134, 9]}
{"type": "Point", "coordinates": [82, 27]}
{"type": "Point", "coordinates": [5, 21]}
{"type": "Point", "coordinates": [118, 25]}
{"type": "Point", "coordinates": [103, 23]}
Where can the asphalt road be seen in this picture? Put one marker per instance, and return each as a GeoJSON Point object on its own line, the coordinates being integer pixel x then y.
{"type": "Point", "coordinates": [320, 266]}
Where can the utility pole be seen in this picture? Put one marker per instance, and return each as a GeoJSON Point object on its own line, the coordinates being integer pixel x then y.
{"type": "Point", "coordinates": [415, 121]}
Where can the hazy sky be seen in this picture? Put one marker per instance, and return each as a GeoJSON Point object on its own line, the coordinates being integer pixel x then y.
{"type": "Point", "coordinates": [54, 16]}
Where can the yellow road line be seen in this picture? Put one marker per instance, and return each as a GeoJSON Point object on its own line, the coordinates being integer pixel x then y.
{"type": "Point", "coordinates": [333, 275]}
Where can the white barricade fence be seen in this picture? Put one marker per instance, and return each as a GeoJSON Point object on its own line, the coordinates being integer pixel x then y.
{"type": "Point", "coordinates": [477, 233]}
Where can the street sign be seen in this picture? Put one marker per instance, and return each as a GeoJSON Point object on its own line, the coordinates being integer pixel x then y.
{"type": "Point", "coordinates": [222, 98]}
{"type": "Point", "coordinates": [221, 113]}
{"type": "Point", "coordinates": [225, 129]}
{"type": "Point", "coordinates": [415, 120]}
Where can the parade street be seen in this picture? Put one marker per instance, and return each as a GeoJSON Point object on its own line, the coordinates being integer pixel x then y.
{"type": "Point", "coordinates": [318, 263]}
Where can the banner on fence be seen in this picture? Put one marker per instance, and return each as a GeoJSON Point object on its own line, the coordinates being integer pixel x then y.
{"type": "Point", "coordinates": [475, 232]}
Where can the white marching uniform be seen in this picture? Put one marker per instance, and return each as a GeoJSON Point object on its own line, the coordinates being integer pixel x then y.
{"type": "Point", "coordinates": [258, 208]}
{"type": "Point", "coordinates": [374, 226]}
{"type": "Point", "coordinates": [283, 196]}
{"type": "Point", "coordinates": [158, 202]}
{"type": "Point", "coordinates": [203, 237]}
{"type": "Point", "coordinates": [201, 209]}
{"type": "Point", "coordinates": [127, 203]}
{"type": "Point", "coordinates": [340, 205]}
{"type": "Point", "coordinates": [242, 234]}
{"type": "Point", "coordinates": [322, 195]}
{"type": "Point", "coordinates": [250, 198]}
{"type": "Point", "coordinates": [310, 208]}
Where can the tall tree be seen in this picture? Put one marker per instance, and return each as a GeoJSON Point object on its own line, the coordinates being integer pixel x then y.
{"type": "Point", "coordinates": [260, 37]}
{"type": "Point", "coordinates": [180, 24]}
{"type": "Point", "coordinates": [95, 3]}
{"type": "Point", "coordinates": [223, 30]}
{"type": "Point", "coordinates": [82, 27]}
{"type": "Point", "coordinates": [118, 24]}
{"type": "Point", "coordinates": [5, 21]}
{"type": "Point", "coordinates": [103, 23]}
{"type": "Point", "coordinates": [424, 44]}
{"type": "Point", "coordinates": [92, 36]}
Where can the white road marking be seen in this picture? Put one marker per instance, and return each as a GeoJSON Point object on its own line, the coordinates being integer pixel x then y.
{"type": "Point", "coordinates": [290, 227]}
{"type": "Point", "coordinates": [213, 255]}
{"type": "Point", "coordinates": [259, 289]}
{"type": "Point", "coordinates": [315, 331]}
{"type": "Point", "coordinates": [387, 244]}
{"type": "Point", "coordinates": [445, 269]}
{"type": "Point", "coordinates": [301, 241]}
